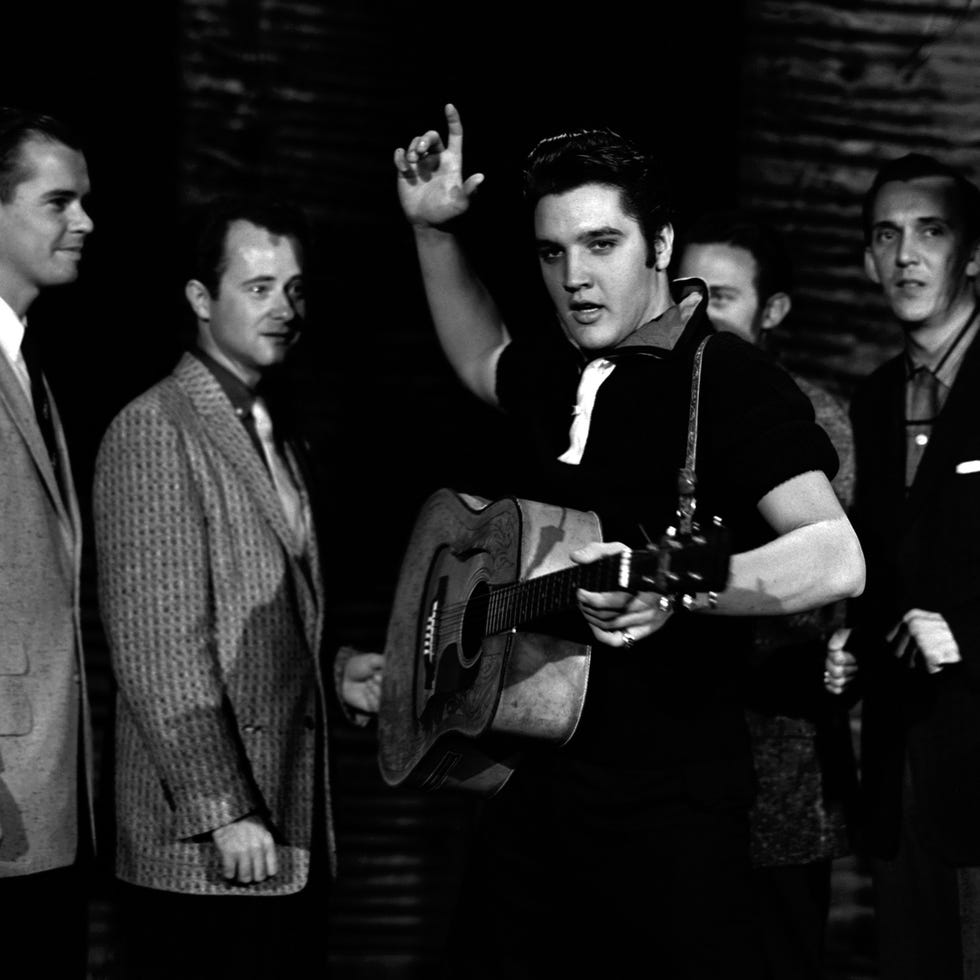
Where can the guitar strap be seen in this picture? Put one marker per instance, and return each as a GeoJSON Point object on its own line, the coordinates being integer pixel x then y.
{"type": "Point", "coordinates": [687, 481]}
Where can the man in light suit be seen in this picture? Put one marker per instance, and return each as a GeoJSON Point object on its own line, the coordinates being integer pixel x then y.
{"type": "Point", "coordinates": [212, 597]}
{"type": "Point", "coordinates": [45, 781]}
{"type": "Point", "coordinates": [916, 632]}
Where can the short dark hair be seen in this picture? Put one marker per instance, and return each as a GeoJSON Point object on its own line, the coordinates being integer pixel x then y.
{"type": "Point", "coordinates": [561, 163]}
{"type": "Point", "coordinates": [774, 269]}
{"type": "Point", "coordinates": [208, 225]}
{"type": "Point", "coordinates": [17, 127]}
{"type": "Point", "coordinates": [914, 166]}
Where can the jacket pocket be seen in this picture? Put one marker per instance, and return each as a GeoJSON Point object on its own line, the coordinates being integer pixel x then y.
{"type": "Point", "coordinates": [16, 717]}
{"type": "Point", "coordinates": [13, 657]}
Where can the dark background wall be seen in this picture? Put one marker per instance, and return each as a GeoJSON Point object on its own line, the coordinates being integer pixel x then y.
{"type": "Point", "coordinates": [830, 89]}
{"type": "Point", "coordinates": [781, 105]}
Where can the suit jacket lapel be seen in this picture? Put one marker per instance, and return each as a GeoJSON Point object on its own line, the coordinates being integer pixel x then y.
{"type": "Point", "coordinates": [18, 406]}
{"type": "Point", "coordinates": [67, 481]}
{"type": "Point", "coordinates": [313, 574]}
{"type": "Point", "coordinates": [960, 410]}
{"type": "Point", "coordinates": [223, 428]}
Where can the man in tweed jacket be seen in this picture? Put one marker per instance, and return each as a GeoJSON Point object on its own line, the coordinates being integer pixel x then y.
{"type": "Point", "coordinates": [212, 599]}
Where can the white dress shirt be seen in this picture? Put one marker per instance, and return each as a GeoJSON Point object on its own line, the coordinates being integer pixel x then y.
{"type": "Point", "coordinates": [11, 340]}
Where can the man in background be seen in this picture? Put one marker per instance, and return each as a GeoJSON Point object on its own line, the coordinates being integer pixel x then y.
{"type": "Point", "coordinates": [800, 741]}
{"type": "Point", "coordinates": [46, 830]}
{"type": "Point", "coordinates": [212, 597]}
{"type": "Point", "coordinates": [916, 632]}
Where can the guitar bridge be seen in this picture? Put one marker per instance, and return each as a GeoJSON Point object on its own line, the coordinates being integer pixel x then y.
{"type": "Point", "coordinates": [429, 636]}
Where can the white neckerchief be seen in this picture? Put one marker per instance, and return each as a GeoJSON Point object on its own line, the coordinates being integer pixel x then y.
{"type": "Point", "coordinates": [11, 340]}
{"type": "Point", "coordinates": [691, 293]}
{"type": "Point", "coordinates": [592, 378]}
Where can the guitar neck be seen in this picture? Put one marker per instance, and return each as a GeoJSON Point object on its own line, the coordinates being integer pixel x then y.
{"type": "Point", "coordinates": [514, 606]}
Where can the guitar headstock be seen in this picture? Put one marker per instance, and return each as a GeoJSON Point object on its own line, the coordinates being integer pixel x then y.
{"type": "Point", "coordinates": [683, 564]}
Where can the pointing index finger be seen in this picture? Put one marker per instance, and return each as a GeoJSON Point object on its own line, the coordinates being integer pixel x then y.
{"type": "Point", "coordinates": [455, 129]}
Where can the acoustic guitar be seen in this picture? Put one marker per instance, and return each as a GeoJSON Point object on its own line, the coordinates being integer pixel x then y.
{"type": "Point", "coordinates": [477, 661]}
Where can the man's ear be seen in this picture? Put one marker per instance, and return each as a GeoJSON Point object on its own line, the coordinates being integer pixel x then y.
{"type": "Point", "coordinates": [663, 247]}
{"type": "Point", "coordinates": [200, 299]}
{"type": "Point", "coordinates": [973, 266]}
{"type": "Point", "coordinates": [775, 310]}
{"type": "Point", "coordinates": [870, 269]}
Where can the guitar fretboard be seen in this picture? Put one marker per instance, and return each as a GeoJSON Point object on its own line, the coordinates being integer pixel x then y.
{"type": "Point", "coordinates": [513, 606]}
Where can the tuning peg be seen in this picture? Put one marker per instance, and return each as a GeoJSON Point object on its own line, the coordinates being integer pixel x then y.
{"type": "Point", "coordinates": [691, 602]}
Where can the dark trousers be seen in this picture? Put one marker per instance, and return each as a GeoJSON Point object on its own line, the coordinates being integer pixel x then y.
{"type": "Point", "coordinates": [927, 913]}
{"type": "Point", "coordinates": [793, 903]}
{"type": "Point", "coordinates": [607, 879]}
{"type": "Point", "coordinates": [45, 924]}
{"type": "Point", "coordinates": [166, 935]}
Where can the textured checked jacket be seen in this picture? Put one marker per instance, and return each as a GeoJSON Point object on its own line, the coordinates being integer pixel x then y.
{"type": "Point", "coordinates": [214, 620]}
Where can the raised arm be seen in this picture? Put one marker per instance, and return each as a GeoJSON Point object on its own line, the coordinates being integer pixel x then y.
{"type": "Point", "coordinates": [433, 193]}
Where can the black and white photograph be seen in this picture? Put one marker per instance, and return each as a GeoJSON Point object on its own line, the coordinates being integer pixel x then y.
{"type": "Point", "coordinates": [486, 491]}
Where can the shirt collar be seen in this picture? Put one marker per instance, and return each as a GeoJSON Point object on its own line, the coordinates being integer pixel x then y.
{"type": "Point", "coordinates": [11, 331]}
{"type": "Point", "coordinates": [663, 334]}
{"type": "Point", "coordinates": [945, 363]}
{"type": "Point", "coordinates": [239, 393]}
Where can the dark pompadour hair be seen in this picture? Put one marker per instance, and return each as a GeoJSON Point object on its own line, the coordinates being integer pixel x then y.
{"type": "Point", "coordinates": [774, 270]}
{"type": "Point", "coordinates": [208, 224]}
{"type": "Point", "coordinates": [566, 161]}
{"type": "Point", "coordinates": [913, 166]}
{"type": "Point", "coordinates": [17, 127]}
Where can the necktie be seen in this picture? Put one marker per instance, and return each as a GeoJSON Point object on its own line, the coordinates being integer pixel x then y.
{"type": "Point", "coordinates": [924, 397]}
{"type": "Point", "coordinates": [922, 408]}
{"type": "Point", "coordinates": [592, 377]}
{"type": "Point", "coordinates": [292, 503]}
{"type": "Point", "coordinates": [29, 355]}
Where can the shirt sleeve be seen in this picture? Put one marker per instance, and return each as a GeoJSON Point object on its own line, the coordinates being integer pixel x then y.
{"type": "Point", "coordinates": [761, 428]}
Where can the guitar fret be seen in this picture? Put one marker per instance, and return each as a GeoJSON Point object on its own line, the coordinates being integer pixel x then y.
{"type": "Point", "coordinates": [512, 606]}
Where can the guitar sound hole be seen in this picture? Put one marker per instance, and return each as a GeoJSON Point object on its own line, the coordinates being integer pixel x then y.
{"type": "Point", "coordinates": [474, 625]}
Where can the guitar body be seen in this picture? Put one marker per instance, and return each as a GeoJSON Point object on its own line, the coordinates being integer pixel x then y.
{"type": "Point", "coordinates": [456, 694]}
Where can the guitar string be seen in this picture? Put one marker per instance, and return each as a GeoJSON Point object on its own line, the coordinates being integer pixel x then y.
{"type": "Point", "coordinates": [455, 613]}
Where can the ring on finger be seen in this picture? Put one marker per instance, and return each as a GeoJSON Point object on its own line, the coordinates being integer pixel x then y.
{"type": "Point", "coordinates": [628, 639]}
